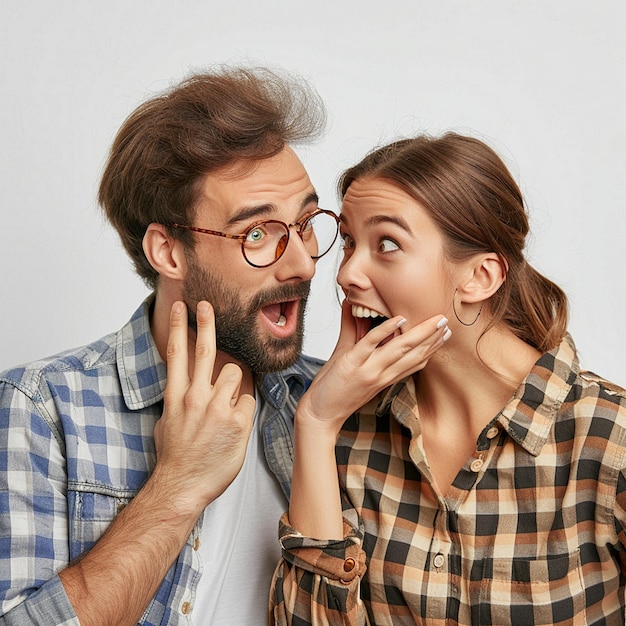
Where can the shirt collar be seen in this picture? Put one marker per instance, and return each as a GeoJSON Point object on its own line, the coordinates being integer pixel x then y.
{"type": "Point", "coordinates": [142, 371]}
{"type": "Point", "coordinates": [530, 414]}
{"type": "Point", "coordinates": [277, 386]}
{"type": "Point", "coordinates": [527, 417]}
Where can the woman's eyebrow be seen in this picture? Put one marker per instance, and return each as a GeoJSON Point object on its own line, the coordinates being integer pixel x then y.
{"type": "Point", "coordinates": [388, 219]}
{"type": "Point", "coordinates": [381, 219]}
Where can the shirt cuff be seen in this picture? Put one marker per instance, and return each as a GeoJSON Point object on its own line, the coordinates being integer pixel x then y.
{"type": "Point", "coordinates": [337, 559]}
{"type": "Point", "coordinates": [48, 605]}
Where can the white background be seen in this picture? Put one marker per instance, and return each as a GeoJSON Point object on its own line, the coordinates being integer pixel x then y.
{"type": "Point", "coordinates": [544, 82]}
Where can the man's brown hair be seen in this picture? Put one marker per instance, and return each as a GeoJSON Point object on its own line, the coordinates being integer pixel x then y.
{"type": "Point", "coordinates": [209, 121]}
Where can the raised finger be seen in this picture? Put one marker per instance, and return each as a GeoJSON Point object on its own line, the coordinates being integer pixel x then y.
{"type": "Point", "coordinates": [205, 344]}
{"type": "Point", "coordinates": [177, 361]}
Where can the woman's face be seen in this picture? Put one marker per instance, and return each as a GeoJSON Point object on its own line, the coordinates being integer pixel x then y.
{"type": "Point", "coordinates": [394, 262]}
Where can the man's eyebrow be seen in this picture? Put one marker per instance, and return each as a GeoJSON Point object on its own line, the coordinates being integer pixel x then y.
{"type": "Point", "coordinates": [258, 211]}
{"type": "Point", "coordinates": [261, 211]}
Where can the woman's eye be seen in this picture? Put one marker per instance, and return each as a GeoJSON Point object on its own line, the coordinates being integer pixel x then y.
{"type": "Point", "coordinates": [348, 242]}
{"type": "Point", "coordinates": [387, 245]}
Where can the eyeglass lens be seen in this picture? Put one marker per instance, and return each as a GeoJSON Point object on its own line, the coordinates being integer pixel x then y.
{"type": "Point", "coordinates": [266, 242]}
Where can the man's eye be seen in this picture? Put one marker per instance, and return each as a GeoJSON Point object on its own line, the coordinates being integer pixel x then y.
{"type": "Point", "coordinates": [255, 235]}
{"type": "Point", "coordinates": [388, 245]}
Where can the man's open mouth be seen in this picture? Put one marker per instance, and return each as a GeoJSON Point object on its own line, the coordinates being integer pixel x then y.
{"type": "Point", "coordinates": [278, 311]}
{"type": "Point", "coordinates": [282, 317]}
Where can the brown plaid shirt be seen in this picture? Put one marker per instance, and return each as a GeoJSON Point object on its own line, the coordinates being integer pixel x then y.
{"type": "Point", "coordinates": [532, 531]}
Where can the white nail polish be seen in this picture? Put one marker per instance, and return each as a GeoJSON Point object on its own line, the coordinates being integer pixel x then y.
{"type": "Point", "coordinates": [401, 323]}
{"type": "Point", "coordinates": [442, 322]}
{"type": "Point", "coordinates": [447, 334]}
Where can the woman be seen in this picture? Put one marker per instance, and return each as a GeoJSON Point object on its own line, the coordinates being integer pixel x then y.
{"type": "Point", "coordinates": [481, 474]}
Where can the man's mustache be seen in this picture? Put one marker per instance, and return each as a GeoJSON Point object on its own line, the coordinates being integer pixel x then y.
{"type": "Point", "coordinates": [281, 294]}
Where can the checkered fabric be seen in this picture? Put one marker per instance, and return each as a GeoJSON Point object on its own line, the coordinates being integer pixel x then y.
{"type": "Point", "coordinates": [76, 445]}
{"type": "Point", "coordinates": [532, 530]}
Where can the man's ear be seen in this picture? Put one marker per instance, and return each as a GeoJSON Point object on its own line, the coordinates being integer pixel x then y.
{"type": "Point", "coordinates": [485, 275]}
{"type": "Point", "coordinates": [164, 253]}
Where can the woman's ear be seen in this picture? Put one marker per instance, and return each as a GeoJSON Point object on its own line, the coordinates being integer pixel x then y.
{"type": "Point", "coordinates": [485, 275]}
{"type": "Point", "coordinates": [164, 253]}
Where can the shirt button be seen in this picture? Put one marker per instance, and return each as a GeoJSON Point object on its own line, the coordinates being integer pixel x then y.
{"type": "Point", "coordinates": [185, 609]}
{"type": "Point", "coordinates": [196, 544]}
{"type": "Point", "coordinates": [492, 432]}
{"type": "Point", "coordinates": [348, 565]}
{"type": "Point", "coordinates": [476, 465]}
{"type": "Point", "coordinates": [439, 560]}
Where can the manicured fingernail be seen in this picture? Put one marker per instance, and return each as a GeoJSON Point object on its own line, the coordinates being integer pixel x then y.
{"type": "Point", "coordinates": [442, 322]}
{"type": "Point", "coordinates": [447, 334]}
{"type": "Point", "coordinates": [402, 322]}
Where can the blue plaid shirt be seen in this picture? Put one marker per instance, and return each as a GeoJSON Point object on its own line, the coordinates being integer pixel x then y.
{"type": "Point", "coordinates": [76, 445]}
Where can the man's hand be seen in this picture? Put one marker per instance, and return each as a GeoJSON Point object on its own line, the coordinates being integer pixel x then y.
{"type": "Point", "coordinates": [201, 438]}
{"type": "Point", "coordinates": [201, 442]}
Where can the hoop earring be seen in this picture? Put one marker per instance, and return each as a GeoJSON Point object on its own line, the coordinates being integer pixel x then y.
{"type": "Point", "coordinates": [457, 315]}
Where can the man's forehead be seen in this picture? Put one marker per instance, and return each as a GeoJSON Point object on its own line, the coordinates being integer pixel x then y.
{"type": "Point", "coordinates": [246, 168]}
{"type": "Point", "coordinates": [280, 181]}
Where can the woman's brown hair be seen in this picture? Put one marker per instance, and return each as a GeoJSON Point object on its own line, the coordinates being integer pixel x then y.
{"type": "Point", "coordinates": [472, 197]}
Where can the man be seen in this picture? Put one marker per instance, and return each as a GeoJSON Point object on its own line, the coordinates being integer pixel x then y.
{"type": "Point", "coordinates": [124, 500]}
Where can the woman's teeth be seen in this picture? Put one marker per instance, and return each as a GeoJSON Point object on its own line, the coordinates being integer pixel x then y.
{"type": "Point", "coordinates": [362, 311]}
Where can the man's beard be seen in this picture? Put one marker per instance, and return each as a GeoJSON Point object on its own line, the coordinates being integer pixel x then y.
{"type": "Point", "coordinates": [236, 322]}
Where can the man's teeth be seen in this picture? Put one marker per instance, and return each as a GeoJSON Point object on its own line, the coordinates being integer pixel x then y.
{"type": "Point", "coordinates": [362, 311]}
{"type": "Point", "coordinates": [282, 320]}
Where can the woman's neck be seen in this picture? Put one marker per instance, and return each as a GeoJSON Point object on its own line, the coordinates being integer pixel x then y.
{"type": "Point", "coordinates": [461, 390]}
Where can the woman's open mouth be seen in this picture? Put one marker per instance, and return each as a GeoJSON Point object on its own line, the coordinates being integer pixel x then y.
{"type": "Point", "coordinates": [366, 319]}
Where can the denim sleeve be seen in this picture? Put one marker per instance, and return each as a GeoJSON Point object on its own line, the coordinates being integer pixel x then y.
{"type": "Point", "coordinates": [34, 519]}
{"type": "Point", "coordinates": [48, 605]}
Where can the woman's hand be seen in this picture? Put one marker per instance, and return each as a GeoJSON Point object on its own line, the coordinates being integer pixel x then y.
{"type": "Point", "coordinates": [359, 369]}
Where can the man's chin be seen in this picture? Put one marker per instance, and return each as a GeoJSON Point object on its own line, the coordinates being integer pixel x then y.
{"type": "Point", "coordinates": [262, 353]}
{"type": "Point", "coordinates": [279, 355]}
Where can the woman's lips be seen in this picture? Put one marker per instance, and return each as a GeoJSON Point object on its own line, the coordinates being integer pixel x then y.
{"type": "Point", "coordinates": [366, 319]}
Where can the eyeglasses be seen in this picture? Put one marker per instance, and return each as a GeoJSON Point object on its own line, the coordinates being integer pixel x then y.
{"type": "Point", "coordinates": [265, 242]}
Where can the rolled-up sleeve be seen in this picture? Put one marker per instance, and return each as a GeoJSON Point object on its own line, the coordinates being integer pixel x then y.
{"type": "Point", "coordinates": [317, 582]}
{"type": "Point", "coordinates": [48, 605]}
{"type": "Point", "coordinates": [34, 520]}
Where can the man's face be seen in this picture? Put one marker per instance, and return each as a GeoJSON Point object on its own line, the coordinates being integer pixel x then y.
{"type": "Point", "coordinates": [259, 311]}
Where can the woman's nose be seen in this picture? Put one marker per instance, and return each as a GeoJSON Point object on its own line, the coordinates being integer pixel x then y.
{"type": "Point", "coordinates": [352, 273]}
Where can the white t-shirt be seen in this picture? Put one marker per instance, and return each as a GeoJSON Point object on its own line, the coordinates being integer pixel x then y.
{"type": "Point", "coordinates": [239, 544]}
